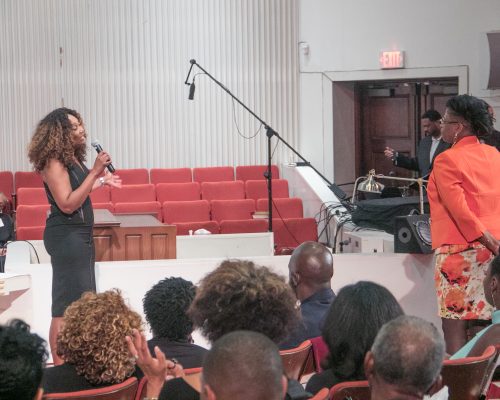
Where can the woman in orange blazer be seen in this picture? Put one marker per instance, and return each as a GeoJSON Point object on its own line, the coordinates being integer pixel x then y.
{"type": "Point", "coordinates": [464, 197]}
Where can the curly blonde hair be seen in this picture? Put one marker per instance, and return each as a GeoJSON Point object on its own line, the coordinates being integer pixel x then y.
{"type": "Point", "coordinates": [52, 140]}
{"type": "Point", "coordinates": [240, 295]}
{"type": "Point", "coordinates": [93, 337]}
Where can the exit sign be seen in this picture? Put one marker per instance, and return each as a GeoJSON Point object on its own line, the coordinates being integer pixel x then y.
{"type": "Point", "coordinates": [392, 59]}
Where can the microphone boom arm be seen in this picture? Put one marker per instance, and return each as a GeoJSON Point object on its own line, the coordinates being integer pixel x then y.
{"type": "Point", "coordinates": [270, 132]}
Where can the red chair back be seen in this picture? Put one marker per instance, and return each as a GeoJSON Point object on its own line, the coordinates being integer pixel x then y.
{"type": "Point", "coordinates": [133, 176]}
{"type": "Point", "coordinates": [231, 210]}
{"type": "Point", "coordinates": [184, 191]}
{"type": "Point", "coordinates": [294, 231]}
{"type": "Point", "coordinates": [213, 174]}
{"type": "Point", "coordinates": [186, 211]}
{"type": "Point", "coordinates": [101, 195]}
{"type": "Point", "coordinates": [320, 351]}
{"type": "Point", "coordinates": [170, 175]}
{"type": "Point", "coordinates": [31, 196]}
{"type": "Point", "coordinates": [27, 179]}
{"type": "Point", "coordinates": [244, 226]}
{"type": "Point", "coordinates": [30, 232]}
{"type": "Point", "coordinates": [133, 193]}
{"type": "Point", "coordinates": [295, 360]}
{"type": "Point", "coordinates": [121, 391]}
{"type": "Point", "coordinates": [143, 207]}
{"type": "Point", "coordinates": [222, 190]}
{"type": "Point", "coordinates": [183, 228]}
{"type": "Point", "coordinates": [283, 208]}
{"type": "Point", "coordinates": [258, 189]}
{"type": "Point", "coordinates": [32, 215]}
{"type": "Point", "coordinates": [356, 390]}
{"type": "Point", "coordinates": [469, 377]}
{"type": "Point", "coordinates": [255, 172]}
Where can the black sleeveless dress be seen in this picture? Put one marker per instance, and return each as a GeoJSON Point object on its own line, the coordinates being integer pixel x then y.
{"type": "Point", "coordinates": [68, 240]}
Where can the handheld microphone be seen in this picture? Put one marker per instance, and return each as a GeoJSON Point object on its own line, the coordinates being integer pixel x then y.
{"type": "Point", "coordinates": [191, 91]}
{"type": "Point", "coordinates": [95, 144]}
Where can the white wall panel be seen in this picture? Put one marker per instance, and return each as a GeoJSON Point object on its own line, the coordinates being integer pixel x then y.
{"type": "Point", "coordinates": [122, 64]}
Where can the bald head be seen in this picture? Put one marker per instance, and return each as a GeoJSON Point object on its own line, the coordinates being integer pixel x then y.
{"type": "Point", "coordinates": [310, 268]}
{"type": "Point", "coordinates": [243, 365]}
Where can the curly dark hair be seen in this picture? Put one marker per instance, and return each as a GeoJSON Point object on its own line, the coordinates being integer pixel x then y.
{"type": "Point", "coordinates": [240, 295]}
{"type": "Point", "coordinates": [166, 305]}
{"type": "Point", "coordinates": [351, 325]}
{"type": "Point", "coordinates": [93, 337]}
{"type": "Point", "coordinates": [52, 140]}
{"type": "Point", "coordinates": [474, 111]}
{"type": "Point", "coordinates": [22, 358]}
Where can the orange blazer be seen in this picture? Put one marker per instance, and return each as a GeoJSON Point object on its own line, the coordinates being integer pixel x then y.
{"type": "Point", "coordinates": [464, 193]}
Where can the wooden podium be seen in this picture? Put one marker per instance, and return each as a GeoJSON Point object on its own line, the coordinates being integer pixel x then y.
{"type": "Point", "coordinates": [132, 237]}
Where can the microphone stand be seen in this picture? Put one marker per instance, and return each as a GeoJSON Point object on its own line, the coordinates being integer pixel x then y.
{"type": "Point", "coordinates": [270, 132]}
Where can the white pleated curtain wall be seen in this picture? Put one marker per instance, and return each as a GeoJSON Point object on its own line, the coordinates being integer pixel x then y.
{"type": "Point", "coordinates": [122, 65]}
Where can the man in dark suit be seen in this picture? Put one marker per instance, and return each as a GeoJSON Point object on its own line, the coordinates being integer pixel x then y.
{"type": "Point", "coordinates": [310, 274]}
{"type": "Point", "coordinates": [429, 147]}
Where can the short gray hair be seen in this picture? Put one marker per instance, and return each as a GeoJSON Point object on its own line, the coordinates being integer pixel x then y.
{"type": "Point", "coordinates": [409, 353]}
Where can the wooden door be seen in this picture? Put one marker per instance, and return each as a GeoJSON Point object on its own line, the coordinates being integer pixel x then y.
{"type": "Point", "coordinates": [435, 94]}
{"type": "Point", "coordinates": [390, 115]}
{"type": "Point", "coordinates": [387, 119]}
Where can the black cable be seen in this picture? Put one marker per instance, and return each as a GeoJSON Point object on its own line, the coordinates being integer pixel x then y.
{"type": "Point", "coordinates": [339, 226]}
{"type": "Point", "coordinates": [345, 184]}
{"type": "Point", "coordinates": [325, 215]}
{"type": "Point", "coordinates": [274, 150]}
{"type": "Point", "coordinates": [238, 128]}
{"type": "Point", "coordinates": [31, 244]}
{"type": "Point", "coordinates": [284, 224]}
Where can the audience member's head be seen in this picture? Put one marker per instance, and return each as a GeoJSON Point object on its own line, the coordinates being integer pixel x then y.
{"type": "Point", "coordinates": [431, 123]}
{"type": "Point", "coordinates": [352, 322]}
{"type": "Point", "coordinates": [310, 269]}
{"type": "Point", "coordinates": [491, 282]}
{"type": "Point", "coordinates": [243, 365]}
{"type": "Point", "coordinates": [22, 358]}
{"type": "Point", "coordinates": [92, 337]}
{"type": "Point", "coordinates": [239, 295]}
{"type": "Point", "coordinates": [405, 359]}
{"type": "Point", "coordinates": [165, 307]}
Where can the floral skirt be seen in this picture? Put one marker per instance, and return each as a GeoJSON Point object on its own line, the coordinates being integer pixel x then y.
{"type": "Point", "coordinates": [459, 274]}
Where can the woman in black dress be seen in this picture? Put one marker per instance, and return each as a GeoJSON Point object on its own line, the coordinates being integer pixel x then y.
{"type": "Point", "coordinates": [57, 151]}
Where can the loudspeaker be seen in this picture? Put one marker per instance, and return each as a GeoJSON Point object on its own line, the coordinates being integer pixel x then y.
{"type": "Point", "coordinates": [412, 234]}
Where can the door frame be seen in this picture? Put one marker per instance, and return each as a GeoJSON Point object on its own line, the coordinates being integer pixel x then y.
{"type": "Point", "coordinates": [331, 133]}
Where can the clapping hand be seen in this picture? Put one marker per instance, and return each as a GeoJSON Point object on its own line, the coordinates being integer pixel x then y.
{"type": "Point", "coordinates": [156, 370]}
